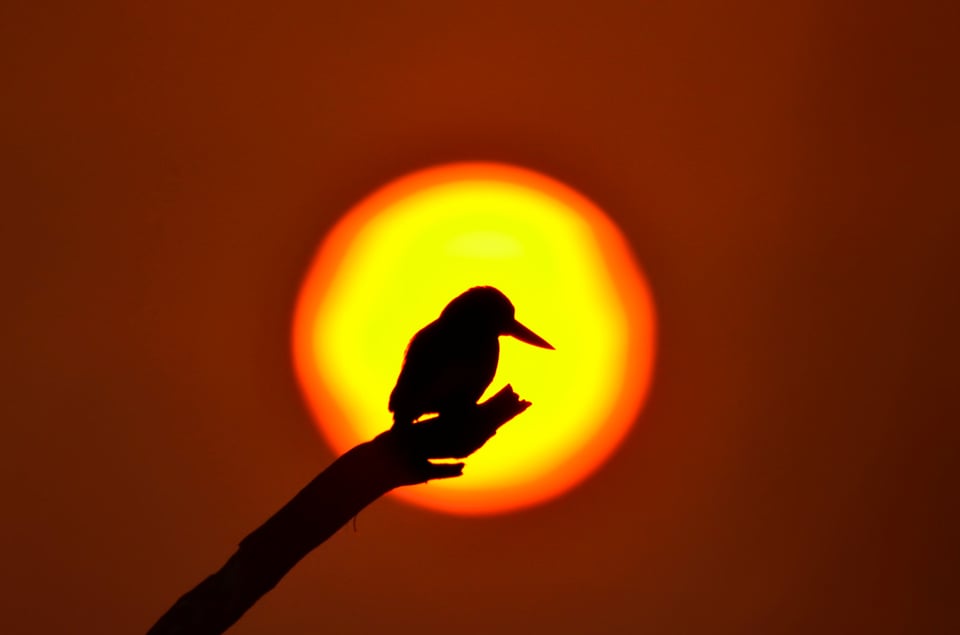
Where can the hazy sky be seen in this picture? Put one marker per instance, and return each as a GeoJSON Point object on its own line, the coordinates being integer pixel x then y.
{"type": "Point", "coordinates": [786, 174]}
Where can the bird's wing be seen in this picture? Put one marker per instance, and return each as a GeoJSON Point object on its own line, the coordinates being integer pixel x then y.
{"type": "Point", "coordinates": [415, 373]}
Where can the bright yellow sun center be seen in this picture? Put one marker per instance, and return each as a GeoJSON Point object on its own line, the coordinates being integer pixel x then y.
{"type": "Point", "coordinates": [393, 262]}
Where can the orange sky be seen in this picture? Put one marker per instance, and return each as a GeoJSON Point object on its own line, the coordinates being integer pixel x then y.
{"type": "Point", "coordinates": [786, 175]}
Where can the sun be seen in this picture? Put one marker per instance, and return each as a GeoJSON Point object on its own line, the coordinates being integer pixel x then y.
{"type": "Point", "coordinates": [391, 264]}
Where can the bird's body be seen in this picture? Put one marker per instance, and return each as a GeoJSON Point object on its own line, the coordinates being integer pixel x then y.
{"type": "Point", "coordinates": [443, 371]}
{"type": "Point", "coordinates": [450, 362]}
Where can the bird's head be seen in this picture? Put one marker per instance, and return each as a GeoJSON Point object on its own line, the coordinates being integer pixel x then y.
{"type": "Point", "coordinates": [488, 310]}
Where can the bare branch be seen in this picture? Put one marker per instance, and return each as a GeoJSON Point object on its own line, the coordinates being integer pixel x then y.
{"type": "Point", "coordinates": [369, 470]}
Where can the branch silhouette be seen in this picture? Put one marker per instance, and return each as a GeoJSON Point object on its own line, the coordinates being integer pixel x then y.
{"type": "Point", "coordinates": [395, 458]}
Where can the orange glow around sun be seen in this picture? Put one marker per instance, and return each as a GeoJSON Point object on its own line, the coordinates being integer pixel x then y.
{"type": "Point", "coordinates": [393, 262]}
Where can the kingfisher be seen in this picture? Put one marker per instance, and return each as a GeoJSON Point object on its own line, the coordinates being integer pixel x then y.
{"type": "Point", "coordinates": [451, 361]}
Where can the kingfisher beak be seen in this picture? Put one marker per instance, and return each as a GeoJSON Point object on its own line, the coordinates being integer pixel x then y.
{"type": "Point", "coordinates": [524, 334]}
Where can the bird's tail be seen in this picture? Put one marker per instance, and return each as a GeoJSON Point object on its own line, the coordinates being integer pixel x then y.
{"type": "Point", "coordinates": [402, 420]}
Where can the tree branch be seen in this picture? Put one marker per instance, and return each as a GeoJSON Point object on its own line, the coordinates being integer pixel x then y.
{"type": "Point", "coordinates": [356, 479]}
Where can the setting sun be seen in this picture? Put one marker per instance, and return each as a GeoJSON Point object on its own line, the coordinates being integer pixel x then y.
{"type": "Point", "coordinates": [395, 260]}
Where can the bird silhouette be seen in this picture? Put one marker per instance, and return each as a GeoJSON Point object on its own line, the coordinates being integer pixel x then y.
{"type": "Point", "coordinates": [452, 360]}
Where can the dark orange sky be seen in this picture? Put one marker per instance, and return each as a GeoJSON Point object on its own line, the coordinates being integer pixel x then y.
{"type": "Point", "coordinates": [787, 176]}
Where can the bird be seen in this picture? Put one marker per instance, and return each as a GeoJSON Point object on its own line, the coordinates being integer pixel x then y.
{"type": "Point", "coordinates": [451, 361]}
